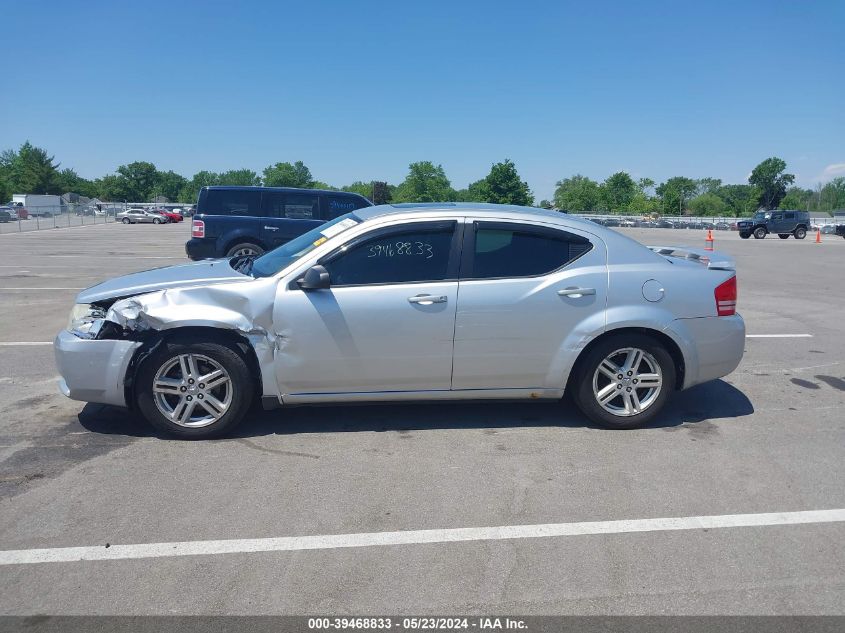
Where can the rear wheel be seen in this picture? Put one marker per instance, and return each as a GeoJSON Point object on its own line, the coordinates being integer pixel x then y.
{"type": "Point", "coordinates": [126, 221]}
{"type": "Point", "coordinates": [624, 381]}
{"type": "Point", "coordinates": [783, 236]}
{"type": "Point", "coordinates": [193, 389]}
{"type": "Point", "coordinates": [244, 249]}
{"type": "Point", "coordinates": [800, 233]}
{"type": "Point", "coordinates": [759, 233]}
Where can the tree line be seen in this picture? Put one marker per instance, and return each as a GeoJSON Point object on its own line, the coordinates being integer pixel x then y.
{"type": "Point", "coordinates": [32, 169]}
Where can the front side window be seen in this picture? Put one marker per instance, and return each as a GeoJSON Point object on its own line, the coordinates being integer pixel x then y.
{"type": "Point", "coordinates": [398, 256]}
{"type": "Point", "coordinates": [501, 250]}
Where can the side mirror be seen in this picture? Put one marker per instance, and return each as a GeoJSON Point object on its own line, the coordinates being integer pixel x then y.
{"type": "Point", "coordinates": [315, 278]}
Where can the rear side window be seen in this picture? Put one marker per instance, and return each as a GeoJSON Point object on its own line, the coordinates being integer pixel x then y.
{"type": "Point", "coordinates": [230, 202]}
{"type": "Point", "coordinates": [790, 216]}
{"type": "Point", "coordinates": [502, 250]}
{"type": "Point", "coordinates": [298, 206]}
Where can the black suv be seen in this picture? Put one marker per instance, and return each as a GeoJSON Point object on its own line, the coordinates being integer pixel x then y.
{"type": "Point", "coordinates": [236, 221]}
{"type": "Point", "coordinates": [784, 223]}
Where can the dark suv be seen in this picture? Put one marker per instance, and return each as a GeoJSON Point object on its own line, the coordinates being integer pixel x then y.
{"type": "Point", "coordinates": [236, 221]}
{"type": "Point", "coordinates": [784, 223]}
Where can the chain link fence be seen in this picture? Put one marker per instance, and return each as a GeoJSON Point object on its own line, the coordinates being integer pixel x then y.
{"type": "Point", "coordinates": [59, 217]}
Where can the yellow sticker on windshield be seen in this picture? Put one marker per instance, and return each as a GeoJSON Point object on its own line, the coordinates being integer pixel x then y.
{"type": "Point", "coordinates": [320, 241]}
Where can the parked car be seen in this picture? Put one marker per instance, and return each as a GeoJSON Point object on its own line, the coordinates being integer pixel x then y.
{"type": "Point", "coordinates": [840, 230]}
{"type": "Point", "coordinates": [366, 308]}
{"type": "Point", "coordinates": [237, 221]}
{"type": "Point", "coordinates": [21, 211]}
{"type": "Point", "coordinates": [828, 229]}
{"type": "Point", "coordinates": [6, 214]}
{"type": "Point", "coordinates": [140, 216]}
{"type": "Point", "coordinates": [783, 223]}
{"type": "Point", "coordinates": [171, 216]}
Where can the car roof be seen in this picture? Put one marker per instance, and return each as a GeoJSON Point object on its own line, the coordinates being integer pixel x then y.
{"type": "Point", "coordinates": [281, 189]}
{"type": "Point", "coordinates": [478, 209]}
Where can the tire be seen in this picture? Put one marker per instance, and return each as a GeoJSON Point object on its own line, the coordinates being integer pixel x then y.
{"type": "Point", "coordinates": [783, 236]}
{"type": "Point", "coordinates": [745, 236]}
{"type": "Point", "coordinates": [200, 419]}
{"type": "Point", "coordinates": [126, 221]}
{"type": "Point", "coordinates": [618, 412]}
{"type": "Point", "coordinates": [243, 249]}
{"type": "Point", "coordinates": [800, 233]}
{"type": "Point", "coordinates": [759, 233]}
{"type": "Point", "coordinates": [156, 221]}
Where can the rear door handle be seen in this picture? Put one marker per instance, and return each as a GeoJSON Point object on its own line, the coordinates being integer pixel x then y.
{"type": "Point", "coordinates": [427, 300]}
{"type": "Point", "coordinates": [271, 228]}
{"type": "Point", "coordinates": [576, 292]}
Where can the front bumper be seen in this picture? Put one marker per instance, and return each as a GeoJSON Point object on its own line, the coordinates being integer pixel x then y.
{"type": "Point", "coordinates": [93, 370]}
{"type": "Point", "coordinates": [712, 346]}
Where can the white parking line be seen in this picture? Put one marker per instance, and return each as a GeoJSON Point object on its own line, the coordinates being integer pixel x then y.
{"type": "Point", "coordinates": [23, 343]}
{"type": "Point", "coordinates": [778, 336]}
{"type": "Point", "coordinates": [412, 537]}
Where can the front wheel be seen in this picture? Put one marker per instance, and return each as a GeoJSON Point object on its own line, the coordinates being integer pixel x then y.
{"type": "Point", "coordinates": [156, 221]}
{"type": "Point", "coordinates": [745, 236]}
{"type": "Point", "coordinates": [624, 381]}
{"type": "Point", "coordinates": [126, 221]}
{"type": "Point", "coordinates": [759, 233]}
{"type": "Point", "coordinates": [783, 236]}
{"type": "Point", "coordinates": [194, 389]}
{"type": "Point", "coordinates": [800, 233]}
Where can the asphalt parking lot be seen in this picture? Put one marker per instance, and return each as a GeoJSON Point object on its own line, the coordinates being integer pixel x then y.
{"type": "Point", "coordinates": [769, 438]}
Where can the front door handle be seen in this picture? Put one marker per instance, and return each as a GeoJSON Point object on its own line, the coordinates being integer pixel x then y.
{"type": "Point", "coordinates": [427, 300]}
{"type": "Point", "coordinates": [271, 228]}
{"type": "Point", "coordinates": [576, 292]}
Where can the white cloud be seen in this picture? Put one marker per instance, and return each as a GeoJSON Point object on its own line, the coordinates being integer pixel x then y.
{"type": "Point", "coordinates": [831, 171]}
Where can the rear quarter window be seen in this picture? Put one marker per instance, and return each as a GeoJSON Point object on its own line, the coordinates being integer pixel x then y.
{"type": "Point", "coordinates": [245, 202]}
{"type": "Point", "coordinates": [338, 205]}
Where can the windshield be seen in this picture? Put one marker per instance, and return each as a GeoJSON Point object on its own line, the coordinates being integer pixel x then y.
{"type": "Point", "coordinates": [273, 261]}
{"type": "Point", "coordinates": [761, 215]}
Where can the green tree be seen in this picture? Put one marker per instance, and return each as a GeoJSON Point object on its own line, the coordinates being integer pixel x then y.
{"type": "Point", "coordinates": [169, 184]}
{"type": "Point", "coordinates": [674, 193]}
{"type": "Point", "coordinates": [288, 175]}
{"type": "Point", "coordinates": [771, 179]}
{"type": "Point", "coordinates": [190, 191]}
{"type": "Point", "coordinates": [641, 204]}
{"type": "Point", "coordinates": [546, 204]}
{"type": "Point", "coordinates": [797, 198]}
{"type": "Point", "coordinates": [477, 191]}
{"type": "Point", "coordinates": [708, 204]}
{"type": "Point", "coordinates": [136, 182]}
{"type": "Point", "coordinates": [242, 177]}
{"type": "Point", "coordinates": [618, 191]}
{"type": "Point", "coordinates": [577, 194]}
{"type": "Point", "coordinates": [504, 186]}
{"type": "Point", "coordinates": [740, 199]}
{"type": "Point", "coordinates": [361, 188]}
{"type": "Point", "coordinates": [69, 181]}
{"type": "Point", "coordinates": [645, 185]}
{"type": "Point", "coordinates": [831, 196]}
{"type": "Point", "coordinates": [425, 182]}
{"type": "Point", "coordinates": [708, 185]}
{"type": "Point", "coordinates": [31, 170]}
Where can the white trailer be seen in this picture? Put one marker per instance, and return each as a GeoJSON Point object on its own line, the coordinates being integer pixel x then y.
{"type": "Point", "coordinates": [39, 204]}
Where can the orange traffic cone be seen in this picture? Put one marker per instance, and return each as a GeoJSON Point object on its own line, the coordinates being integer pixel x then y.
{"type": "Point", "coordinates": [708, 243]}
{"type": "Point", "coordinates": [818, 236]}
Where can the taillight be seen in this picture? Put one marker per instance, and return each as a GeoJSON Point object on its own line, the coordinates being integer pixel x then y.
{"type": "Point", "coordinates": [197, 228]}
{"type": "Point", "coordinates": [726, 297]}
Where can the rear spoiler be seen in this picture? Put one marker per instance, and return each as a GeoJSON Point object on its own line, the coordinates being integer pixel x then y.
{"type": "Point", "coordinates": [713, 259]}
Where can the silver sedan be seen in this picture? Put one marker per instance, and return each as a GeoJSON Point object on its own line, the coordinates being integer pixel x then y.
{"type": "Point", "coordinates": [408, 303]}
{"type": "Point", "coordinates": [140, 216]}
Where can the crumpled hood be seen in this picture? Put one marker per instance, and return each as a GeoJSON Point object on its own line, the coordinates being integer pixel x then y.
{"type": "Point", "coordinates": [207, 271]}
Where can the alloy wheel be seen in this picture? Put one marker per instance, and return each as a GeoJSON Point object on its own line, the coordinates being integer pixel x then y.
{"type": "Point", "coordinates": [192, 390]}
{"type": "Point", "coordinates": [627, 382]}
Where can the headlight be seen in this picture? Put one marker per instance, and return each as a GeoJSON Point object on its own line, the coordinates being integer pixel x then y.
{"type": "Point", "coordinates": [86, 320]}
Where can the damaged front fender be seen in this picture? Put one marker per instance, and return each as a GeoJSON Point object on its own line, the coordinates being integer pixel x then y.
{"type": "Point", "coordinates": [233, 307]}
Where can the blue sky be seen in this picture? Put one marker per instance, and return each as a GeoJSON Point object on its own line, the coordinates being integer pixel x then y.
{"type": "Point", "coordinates": [357, 90]}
